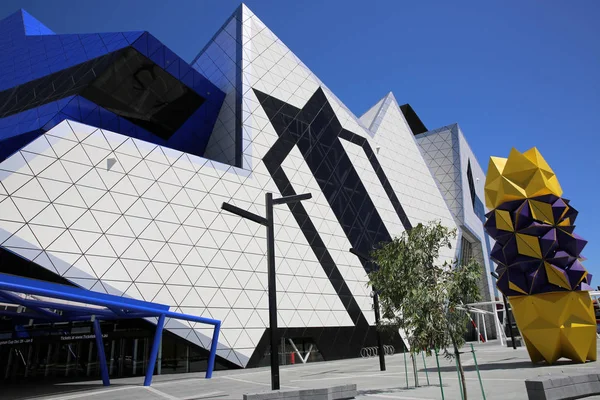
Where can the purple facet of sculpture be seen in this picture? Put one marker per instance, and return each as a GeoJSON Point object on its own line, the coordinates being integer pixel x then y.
{"type": "Point", "coordinates": [554, 264]}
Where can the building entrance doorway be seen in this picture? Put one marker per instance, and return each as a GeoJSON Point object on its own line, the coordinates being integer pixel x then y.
{"type": "Point", "coordinates": [72, 356]}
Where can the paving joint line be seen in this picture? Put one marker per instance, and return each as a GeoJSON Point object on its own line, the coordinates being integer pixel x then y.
{"type": "Point", "coordinates": [92, 393]}
{"type": "Point", "coordinates": [204, 396]}
{"type": "Point", "coordinates": [259, 383]}
{"type": "Point", "coordinates": [162, 394]}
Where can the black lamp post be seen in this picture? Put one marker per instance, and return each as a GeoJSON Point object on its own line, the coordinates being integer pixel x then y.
{"type": "Point", "coordinates": [375, 297]}
{"type": "Point", "coordinates": [269, 223]}
{"type": "Point", "coordinates": [510, 329]}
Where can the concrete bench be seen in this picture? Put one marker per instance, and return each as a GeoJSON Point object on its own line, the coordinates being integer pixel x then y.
{"type": "Point", "coordinates": [341, 392]}
{"type": "Point", "coordinates": [559, 387]}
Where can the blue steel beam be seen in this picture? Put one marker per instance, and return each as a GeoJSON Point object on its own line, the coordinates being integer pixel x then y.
{"type": "Point", "coordinates": [101, 354]}
{"type": "Point", "coordinates": [213, 351]}
{"type": "Point", "coordinates": [33, 286]}
{"type": "Point", "coordinates": [154, 352]}
{"type": "Point", "coordinates": [68, 307]}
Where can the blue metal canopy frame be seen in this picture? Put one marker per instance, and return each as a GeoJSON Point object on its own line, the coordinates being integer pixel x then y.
{"type": "Point", "coordinates": [111, 308]}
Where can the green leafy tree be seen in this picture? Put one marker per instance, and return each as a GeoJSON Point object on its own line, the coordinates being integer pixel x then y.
{"type": "Point", "coordinates": [422, 295]}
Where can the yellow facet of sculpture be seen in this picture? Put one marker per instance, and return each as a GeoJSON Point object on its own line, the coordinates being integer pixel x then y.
{"type": "Point", "coordinates": [520, 176]}
{"type": "Point", "coordinates": [557, 324]}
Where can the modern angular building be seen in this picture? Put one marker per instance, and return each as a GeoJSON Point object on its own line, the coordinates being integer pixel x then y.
{"type": "Point", "coordinates": [116, 156]}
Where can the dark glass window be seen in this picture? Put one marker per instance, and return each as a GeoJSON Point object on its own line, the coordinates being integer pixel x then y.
{"type": "Point", "coordinates": [126, 83]}
{"type": "Point", "coordinates": [137, 89]}
{"type": "Point", "coordinates": [52, 87]}
{"type": "Point", "coordinates": [13, 264]}
{"type": "Point", "coordinates": [471, 184]}
{"type": "Point", "coordinates": [466, 251]}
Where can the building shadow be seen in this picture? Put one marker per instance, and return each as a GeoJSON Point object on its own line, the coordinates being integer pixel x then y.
{"type": "Point", "coordinates": [32, 391]}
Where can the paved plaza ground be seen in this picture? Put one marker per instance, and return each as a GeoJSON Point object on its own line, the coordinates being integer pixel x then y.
{"type": "Point", "coordinates": [503, 371]}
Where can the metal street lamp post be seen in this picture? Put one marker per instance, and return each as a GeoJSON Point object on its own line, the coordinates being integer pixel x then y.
{"type": "Point", "coordinates": [268, 222]}
{"type": "Point", "coordinates": [375, 297]}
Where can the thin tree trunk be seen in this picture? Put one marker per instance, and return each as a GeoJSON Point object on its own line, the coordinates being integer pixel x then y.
{"type": "Point", "coordinates": [414, 365]}
{"type": "Point", "coordinates": [460, 369]}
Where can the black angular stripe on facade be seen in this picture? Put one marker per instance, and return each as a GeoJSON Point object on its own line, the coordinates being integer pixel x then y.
{"type": "Point", "coordinates": [389, 190]}
{"type": "Point", "coordinates": [316, 130]}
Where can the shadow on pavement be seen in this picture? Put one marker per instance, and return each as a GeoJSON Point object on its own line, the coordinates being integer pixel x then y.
{"type": "Point", "coordinates": [399, 389]}
{"type": "Point", "coordinates": [502, 365]}
{"type": "Point", "coordinates": [32, 391]}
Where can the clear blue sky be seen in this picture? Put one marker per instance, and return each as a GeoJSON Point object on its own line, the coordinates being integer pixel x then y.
{"type": "Point", "coordinates": [511, 73]}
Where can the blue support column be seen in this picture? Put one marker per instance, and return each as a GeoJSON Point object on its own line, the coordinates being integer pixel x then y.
{"type": "Point", "coordinates": [101, 355]}
{"type": "Point", "coordinates": [213, 351]}
{"type": "Point", "coordinates": [154, 350]}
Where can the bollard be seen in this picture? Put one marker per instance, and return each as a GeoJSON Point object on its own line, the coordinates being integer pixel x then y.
{"type": "Point", "coordinates": [477, 369]}
{"type": "Point", "coordinates": [405, 368]}
{"type": "Point", "coordinates": [425, 366]}
{"type": "Point", "coordinates": [462, 393]}
{"type": "Point", "coordinates": [439, 373]}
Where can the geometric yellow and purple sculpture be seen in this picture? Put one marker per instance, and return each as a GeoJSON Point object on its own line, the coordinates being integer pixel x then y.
{"type": "Point", "coordinates": [539, 258]}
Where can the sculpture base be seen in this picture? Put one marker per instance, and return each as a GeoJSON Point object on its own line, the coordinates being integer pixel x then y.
{"type": "Point", "coordinates": [557, 324]}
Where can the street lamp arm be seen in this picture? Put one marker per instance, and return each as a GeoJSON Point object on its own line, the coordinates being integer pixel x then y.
{"type": "Point", "coordinates": [244, 214]}
{"type": "Point", "coordinates": [292, 199]}
{"type": "Point", "coordinates": [360, 255]}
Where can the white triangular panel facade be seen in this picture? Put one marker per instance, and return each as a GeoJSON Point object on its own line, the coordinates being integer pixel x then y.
{"type": "Point", "coordinates": [408, 172]}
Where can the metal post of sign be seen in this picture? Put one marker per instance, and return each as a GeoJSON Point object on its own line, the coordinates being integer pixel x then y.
{"type": "Point", "coordinates": [379, 341]}
{"type": "Point", "coordinates": [509, 321]}
{"type": "Point", "coordinates": [375, 296]}
{"type": "Point", "coordinates": [268, 222]}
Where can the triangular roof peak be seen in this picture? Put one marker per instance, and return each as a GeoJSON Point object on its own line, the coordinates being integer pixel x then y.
{"type": "Point", "coordinates": [24, 23]}
{"type": "Point", "coordinates": [370, 116]}
{"type": "Point", "coordinates": [32, 26]}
